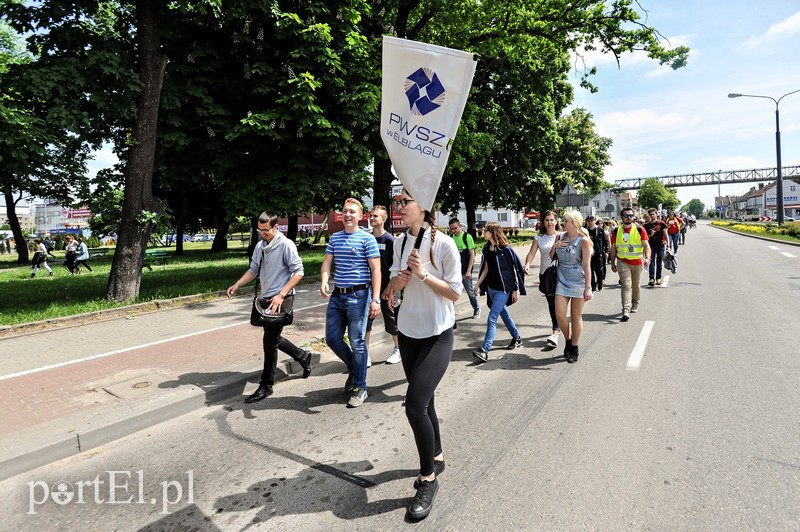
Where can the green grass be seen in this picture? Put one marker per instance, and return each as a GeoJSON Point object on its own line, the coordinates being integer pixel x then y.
{"type": "Point", "coordinates": [25, 299]}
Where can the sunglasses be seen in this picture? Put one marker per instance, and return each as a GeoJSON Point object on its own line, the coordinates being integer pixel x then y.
{"type": "Point", "coordinates": [627, 215]}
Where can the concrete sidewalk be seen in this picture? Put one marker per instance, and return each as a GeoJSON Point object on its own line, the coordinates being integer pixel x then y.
{"type": "Point", "coordinates": [69, 389]}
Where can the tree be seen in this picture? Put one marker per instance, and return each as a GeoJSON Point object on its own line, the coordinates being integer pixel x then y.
{"type": "Point", "coordinates": [520, 86]}
{"type": "Point", "coordinates": [653, 193]}
{"type": "Point", "coordinates": [695, 207]}
{"type": "Point", "coordinates": [42, 151]}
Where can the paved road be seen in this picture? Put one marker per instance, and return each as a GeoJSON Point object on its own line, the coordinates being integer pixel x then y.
{"type": "Point", "coordinates": [702, 434]}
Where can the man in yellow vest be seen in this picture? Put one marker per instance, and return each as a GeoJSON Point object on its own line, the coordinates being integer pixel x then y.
{"type": "Point", "coordinates": [629, 244]}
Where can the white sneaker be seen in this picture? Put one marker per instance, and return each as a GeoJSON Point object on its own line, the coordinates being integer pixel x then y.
{"type": "Point", "coordinates": [552, 340]}
{"type": "Point", "coordinates": [395, 357]}
{"type": "Point", "coordinates": [369, 362]}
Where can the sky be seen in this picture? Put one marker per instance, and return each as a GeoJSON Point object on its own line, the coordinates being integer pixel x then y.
{"type": "Point", "coordinates": [671, 122]}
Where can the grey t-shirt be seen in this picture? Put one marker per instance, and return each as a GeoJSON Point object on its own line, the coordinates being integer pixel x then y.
{"type": "Point", "coordinates": [280, 263]}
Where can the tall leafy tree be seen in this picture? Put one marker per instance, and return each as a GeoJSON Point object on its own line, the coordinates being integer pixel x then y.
{"type": "Point", "coordinates": [695, 207]}
{"type": "Point", "coordinates": [43, 151]}
{"type": "Point", "coordinates": [653, 193]}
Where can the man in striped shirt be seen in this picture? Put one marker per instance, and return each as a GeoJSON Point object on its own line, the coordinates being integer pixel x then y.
{"type": "Point", "coordinates": [355, 258]}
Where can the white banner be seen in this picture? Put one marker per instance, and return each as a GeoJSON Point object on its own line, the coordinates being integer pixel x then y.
{"type": "Point", "coordinates": [425, 89]}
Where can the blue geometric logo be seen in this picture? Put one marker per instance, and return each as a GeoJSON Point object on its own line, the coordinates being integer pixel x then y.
{"type": "Point", "coordinates": [424, 91]}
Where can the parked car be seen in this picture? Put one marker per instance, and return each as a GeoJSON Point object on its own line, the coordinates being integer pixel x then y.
{"type": "Point", "coordinates": [480, 224]}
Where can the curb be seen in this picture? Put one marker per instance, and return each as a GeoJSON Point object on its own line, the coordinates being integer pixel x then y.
{"type": "Point", "coordinates": [26, 453]}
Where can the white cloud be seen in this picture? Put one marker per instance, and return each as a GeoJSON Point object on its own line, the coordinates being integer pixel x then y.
{"type": "Point", "coordinates": [781, 30]}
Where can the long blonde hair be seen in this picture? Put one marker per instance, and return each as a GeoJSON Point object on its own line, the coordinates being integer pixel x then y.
{"type": "Point", "coordinates": [577, 218]}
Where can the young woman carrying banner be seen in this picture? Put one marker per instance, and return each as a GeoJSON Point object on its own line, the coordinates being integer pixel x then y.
{"type": "Point", "coordinates": [429, 278]}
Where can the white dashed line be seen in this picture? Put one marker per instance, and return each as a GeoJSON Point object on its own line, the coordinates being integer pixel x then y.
{"type": "Point", "coordinates": [788, 255]}
{"type": "Point", "coordinates": [635, 359]}
{"type": "Point", "coordinates": [774, 247]}
{"type": "Point", "coordinates": [665, 281]}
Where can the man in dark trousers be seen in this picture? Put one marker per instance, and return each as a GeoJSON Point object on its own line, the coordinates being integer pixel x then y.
{"type": "Point", "coordinates": [279, 268]}
{"type": "Point", "coordinates": [466, 248]}
{"type": "Point", "coordinates": [600, 243]}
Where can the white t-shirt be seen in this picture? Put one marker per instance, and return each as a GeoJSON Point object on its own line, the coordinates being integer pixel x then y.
{"type": "Point", "coordinates": [545, 245]}
{"type": "Point", "coordinates": [424, 313]}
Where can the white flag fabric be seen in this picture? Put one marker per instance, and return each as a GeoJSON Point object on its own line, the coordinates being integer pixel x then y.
{"type": "Point", "coordinates": [425, 89]}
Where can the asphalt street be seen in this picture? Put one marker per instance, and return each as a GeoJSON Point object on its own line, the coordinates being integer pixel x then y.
{"type": "Point", "coordinates": [683, 418]}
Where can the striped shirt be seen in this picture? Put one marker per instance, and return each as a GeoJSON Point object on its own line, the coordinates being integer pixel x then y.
{"type": "Point", "coordinates": [351, 253]}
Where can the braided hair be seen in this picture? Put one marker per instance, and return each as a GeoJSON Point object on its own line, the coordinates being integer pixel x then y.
{"type": "Point", "coordinates": [430, 217]}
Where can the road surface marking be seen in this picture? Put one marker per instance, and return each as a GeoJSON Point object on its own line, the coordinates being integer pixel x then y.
{"type": "Point", "coordinates": [665, 281]}
{"type": "Point", "coordinates": [788, 255]}
{"type": "Point", "coordinates": [635, 359]}
{"type": "Point", "coordinates": [127, 349]}
{"type": "Point", "coordinates": [774, 247]}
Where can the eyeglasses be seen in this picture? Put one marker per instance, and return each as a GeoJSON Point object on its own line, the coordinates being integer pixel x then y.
{"type": "Point", "coordinates": [267, 230]}
{"type": "Point", "coordinates": [403, 202]}
{"type": "Point", "coordinates": [627, 215]}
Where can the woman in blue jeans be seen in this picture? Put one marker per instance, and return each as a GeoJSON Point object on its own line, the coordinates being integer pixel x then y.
{"type": "Point", "coordinates": [503, 278]}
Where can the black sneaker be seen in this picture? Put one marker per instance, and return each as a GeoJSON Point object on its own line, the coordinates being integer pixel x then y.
{"type": "Point", "coordinates": [481, 355]}
{"type": "Point", "coordinates": [515, 343]}
{"type": "Point", "coordinates": [421, 506]}
{"type": "Point", "coordinates": [438, 469]}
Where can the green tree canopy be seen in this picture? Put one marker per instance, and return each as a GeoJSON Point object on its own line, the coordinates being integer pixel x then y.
{"type": "Point", "coordinates": [695, 207]}
{"type": "Point", "coordinates": [653, 193]}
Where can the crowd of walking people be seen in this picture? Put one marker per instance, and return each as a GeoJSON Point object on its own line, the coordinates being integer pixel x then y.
{"type": "Point", "coordinates": [413, 281]}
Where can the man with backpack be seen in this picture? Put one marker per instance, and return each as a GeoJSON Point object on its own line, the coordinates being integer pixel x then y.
{"type": "Point", "coordinates": [466, 249]}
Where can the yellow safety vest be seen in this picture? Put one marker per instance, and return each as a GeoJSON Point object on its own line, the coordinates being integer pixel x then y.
{"type": "Point", "coordinates": [632, 249]}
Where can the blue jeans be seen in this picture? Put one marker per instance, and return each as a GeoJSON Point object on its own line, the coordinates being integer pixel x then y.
{"type": "Point", "coordinates": [349, 311]}
{"type": "Point", "coordinates": [656, 262]}
{"type": "Point", "coordinates": [674, 240]}
{"type": "Point", "coordinates": [473, 299]}
{"type": "Point", "coordinates": [499, 299]}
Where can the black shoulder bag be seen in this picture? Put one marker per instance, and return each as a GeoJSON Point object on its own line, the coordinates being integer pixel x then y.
{"type": "Point", "coordinates": [258, 312]}
{"type": "Point", "coordinates": [549, 278]}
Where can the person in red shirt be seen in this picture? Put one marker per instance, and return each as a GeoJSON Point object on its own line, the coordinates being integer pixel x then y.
{"type": "Point", "coordinates": [657, 234]}
{"type": "Point", "coordinates": [674, 224]}
{"type": "Point", "coordinates": [629, 244]}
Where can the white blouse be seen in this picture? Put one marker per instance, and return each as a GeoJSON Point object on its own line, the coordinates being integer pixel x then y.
{"type": "Point", "coordinates": [545, 245]}
{"type": "Point", "coordinates": [424, 313]}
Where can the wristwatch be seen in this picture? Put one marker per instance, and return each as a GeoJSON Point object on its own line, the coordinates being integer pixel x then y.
{"type": "Point", "coordinates": [376, 300]}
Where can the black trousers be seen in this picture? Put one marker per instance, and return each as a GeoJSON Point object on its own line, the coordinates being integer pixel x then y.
{"type": "Point", "coordinates": [425, 362]}
{"type": "Point", "coordinates": [598, 267]}
{"type": "Point", "coordinates": [272, 342]}
{"type": "Point", "coordinates": [85, 263]}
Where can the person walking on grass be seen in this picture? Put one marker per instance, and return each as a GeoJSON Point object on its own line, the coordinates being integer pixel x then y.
{"type": "Point", "coordinates": [574, 251]}
{"type": "Point", "coordinates": [502, 278]}
{"type": "Point", "coordinates": [548, 232]}
{"type": "Point", "coordinates": [630, 245]}
{"type": "Point", "coordinates": [82, 257]}
{"type": "Point", "coordinates": [278, 266]}
{"type": "Point", "coordinates": [40, 258]}
{"type": "Point", "coordinates": [430, 281]}
{"type": "Point", "coordinates": [355, 258]}
{"type": "Point", "coordinates": [385, 239]}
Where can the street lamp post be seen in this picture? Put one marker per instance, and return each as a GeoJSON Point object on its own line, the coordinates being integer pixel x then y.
{"type": "Point", "coordinates": [777, 143]}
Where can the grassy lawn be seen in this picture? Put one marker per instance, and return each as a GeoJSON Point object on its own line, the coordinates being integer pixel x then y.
{"type": "Point", "coordinates": [25, 299]}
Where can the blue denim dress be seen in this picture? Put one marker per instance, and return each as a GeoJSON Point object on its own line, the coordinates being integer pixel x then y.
{"type": "Point", "coordinates": [571, 277]}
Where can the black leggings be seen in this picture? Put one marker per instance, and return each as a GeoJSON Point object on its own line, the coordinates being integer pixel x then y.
{"type": "Point", "coordinates": [425, 362]}
{"type": "Point", "coordinates": [85, 264]}
{"type": "Point", "coordinates": [551, 306]}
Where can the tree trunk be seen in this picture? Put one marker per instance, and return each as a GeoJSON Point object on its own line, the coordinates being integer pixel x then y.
{"type": "Point", "coordinates": [139, 205]}
{"type": "Point", "coordinates": [221, 238]}
{"type": "Point", "coordinates": [180, 221]}
{"type": "Point", "coordinates": [382, 186]}
{"type": "Point", "coordinates": [16, 229]}
{"type": "Point", "coordinates": [291, 231]}
{"type": "Point", "coordinates": [318, 234]}
{"type": "Point", "coordinates": [469, 206]}
{"type": "Point", "coordinates": [254, 237]}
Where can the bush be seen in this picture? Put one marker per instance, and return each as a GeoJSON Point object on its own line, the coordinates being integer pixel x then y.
{"type": "Point", "coordinates": [792, 229]}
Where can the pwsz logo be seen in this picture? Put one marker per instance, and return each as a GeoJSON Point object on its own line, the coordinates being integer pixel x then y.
{"type": "Point", "coordinates": [424, 91]}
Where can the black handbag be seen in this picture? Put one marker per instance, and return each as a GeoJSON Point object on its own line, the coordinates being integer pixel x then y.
{"type": "Point", "coordinates": [282, 318]}
{"type": "Point", "coordinates": [548, 280]}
